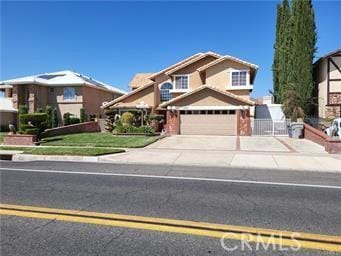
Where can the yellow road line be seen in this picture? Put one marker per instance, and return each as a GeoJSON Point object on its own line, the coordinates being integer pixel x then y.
{"type": "Point", "coordinates": [277, 237]}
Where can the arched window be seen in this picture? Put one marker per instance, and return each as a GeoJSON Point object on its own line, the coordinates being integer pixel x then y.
{"type": "Point", "coordinates": [165, 94]}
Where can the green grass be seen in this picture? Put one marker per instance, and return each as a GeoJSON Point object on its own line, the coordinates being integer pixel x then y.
{"type": "Point", "coordinates": [100, 140]}
{"type": "Point", "coordinates": [2, 136]}
{"type": "Point", "coordinates": [71, 151]}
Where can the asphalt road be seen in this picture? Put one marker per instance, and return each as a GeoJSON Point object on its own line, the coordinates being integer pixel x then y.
{"type": "Point", "coordinates": [278, 201]}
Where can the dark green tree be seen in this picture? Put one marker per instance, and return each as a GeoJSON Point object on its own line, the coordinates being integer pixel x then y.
{"type": "Point", "coordinates": [48, 111]}
{"type": "Point", "coordinates": [276, 63]}
{"type": "Point", "coordinates": [54, 121]}
{"type": "Point", "coordinates": [293, 57]}
{"type": "Point", "coordinates": [83, 115]}
{"type": "Point", "coordinates": [302, 52]}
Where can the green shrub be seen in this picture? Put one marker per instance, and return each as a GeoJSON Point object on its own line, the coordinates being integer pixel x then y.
{"type": "Point", "coordinates": [127, 118]}
{"type": "Point", "coordinates": [32, 123]}
{"type": "Point", "coordinates": [66, 118]}
{"type": "Point", "coordinates": [32, 131]}
{"type": "Point", "coordinates": [39, 110]}
{"type": "Point", "coordinates": [23, 109]}
{"type": "Point", "coordinates": [74, 120]}
{"type": "Point", "coordinates": [48, 111]}
{"type": "Point", "coordinates": [92, 117]}
{"type": "Point", "coordinates": [83, 115]}
{"type": "Point", "coordinates": [54, 121]}
{"type": "Point", "coordinates": [34, 118]}
{"type": "Point", "coordinates": [133, 129]}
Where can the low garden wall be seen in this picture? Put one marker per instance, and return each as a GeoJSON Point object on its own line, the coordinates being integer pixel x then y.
{"type": "Point", "coordinates": [317, 136]}
{"type": "Point", "coordinates": [20, 139]}
{"type": "Point", "coordinates": [331, 146]}
{"type": "Point", "coordinates": [73, 128]}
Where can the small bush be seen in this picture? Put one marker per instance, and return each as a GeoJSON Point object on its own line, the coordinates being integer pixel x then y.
{"type": "Point", "coordinates": [127, 118]}
{"type": "Point", "coordinates": [83, 115]}
{"type": "Point", "coordinates": [92, 117]}
{"type": "Point", "coordinates": [23, 109]}
{"type": "Point", "coordinates": [66, 118]}
{"type": "Point", "coordinates": [32, 131]}
{"type": "Point", "coordinates": [48, 111]}
{"type": "Point", "coordinates": [39, 110]}
{"type": "Point", "coordinates": [74, 120]}
{"type": "Point", "coordinates": [133, 129]}
{"type": "Point", "coordinates": [54, 118]}
{"type": "Point", "coordinates": [34, 118]}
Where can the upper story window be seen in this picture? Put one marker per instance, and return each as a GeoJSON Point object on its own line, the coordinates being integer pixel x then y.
{"type": "Point", "coordinates": [239, 78]}
{"type": "Point", "coordinates": [181, 82]}
{"type": "Point", "coordinates": [69, 93]}
{"type": "Point", "coordinates": [165, 94]}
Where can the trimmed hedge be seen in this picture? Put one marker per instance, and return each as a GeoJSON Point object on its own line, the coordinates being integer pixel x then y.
{"type": "Point", "coordinates": [34, 118]}
{"type": "Point", "coordinates": [133, 129]}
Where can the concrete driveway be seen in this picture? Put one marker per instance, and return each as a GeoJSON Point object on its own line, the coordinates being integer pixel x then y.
{"type": "Point", "coordinates": [223, 151]}
{"type": "Point", "coordinates": [196, 142]}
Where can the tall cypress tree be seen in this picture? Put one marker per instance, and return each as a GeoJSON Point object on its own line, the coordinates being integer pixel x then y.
{"type": "Point", "coordinates": [276, 63]}
{"type": "Point", "coordinates": [285, 48]}
{"type": "Point", "coordinates": [293, 58]}
{"type": "Point", "coordinates": [303, 35]}
{"type": "Point", "coordinates": [282, 50]}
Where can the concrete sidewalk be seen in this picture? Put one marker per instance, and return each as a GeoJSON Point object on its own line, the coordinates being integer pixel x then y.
{"type": "Point", "coordinates": [273, 160]}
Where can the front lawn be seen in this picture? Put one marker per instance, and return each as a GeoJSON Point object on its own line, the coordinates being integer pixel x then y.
{"type": "Point", "coordinates": [100, 140]}
{"type": "Point", "coordinates": [71, 151]}
{"type": "Point", "coordinates": [2, 136]}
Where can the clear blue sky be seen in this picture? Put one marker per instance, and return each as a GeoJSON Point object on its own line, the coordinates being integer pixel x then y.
{"type": "Point", "coordinates": [111, 41]}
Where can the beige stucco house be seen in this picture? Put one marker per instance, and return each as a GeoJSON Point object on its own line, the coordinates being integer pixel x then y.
{"type": "Point", "coordinates": [66, 91]}
{"type": "Point", "coordinates": [327, 79]}
{"type": "Point", "coordinates": [207, 93]}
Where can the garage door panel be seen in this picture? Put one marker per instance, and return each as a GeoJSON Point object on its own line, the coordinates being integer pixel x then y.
{"type": "Point", "coordinates": [208, 124]}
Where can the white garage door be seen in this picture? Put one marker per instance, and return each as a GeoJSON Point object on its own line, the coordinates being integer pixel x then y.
{"type": "Point", "coordinates": [211, 123]}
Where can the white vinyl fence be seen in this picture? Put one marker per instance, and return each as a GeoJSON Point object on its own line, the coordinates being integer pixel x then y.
{"type": "Point", "coordinates": [270, 127]}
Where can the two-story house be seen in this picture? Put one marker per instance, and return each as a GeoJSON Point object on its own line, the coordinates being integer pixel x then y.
{"type": "Point", "coordinates": [66, 91]}
{"type": "Point", "coordinates": [206, 93]}
{"type": "Point", "coordinates": [327, 79]}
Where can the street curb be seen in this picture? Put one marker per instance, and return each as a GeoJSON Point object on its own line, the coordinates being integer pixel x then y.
{"type": "Point", "coordinates": [26, 157]}
{"type": "Point", "coordinates": [100, 159]}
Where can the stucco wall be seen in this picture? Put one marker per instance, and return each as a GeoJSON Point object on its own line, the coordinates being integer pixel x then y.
{"type": "Point", "coordinates": [93, 99]}
{"type": "Point", "coordinates": [207, 97]}
{"type": "Point", "coordinates": [219, 75]}
{"type": "Point", "coordinates": [146, 95]}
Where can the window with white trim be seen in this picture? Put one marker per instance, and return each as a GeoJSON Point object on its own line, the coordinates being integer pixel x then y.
{"type": "Point", "coordinates": [165, 94]}
{"type": "Point", "coordinates": [181, 82]}
{"type": "Point", "coordinates": [69, 93]}
{"type": "Point", "coordinates": [239, 78]}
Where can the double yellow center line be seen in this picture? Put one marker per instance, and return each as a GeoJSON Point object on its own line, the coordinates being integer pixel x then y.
{"type": "Point", "coordinates": [275, 237]}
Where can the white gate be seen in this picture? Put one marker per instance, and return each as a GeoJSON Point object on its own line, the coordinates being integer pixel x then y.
{"type": "Point", "coordinates": [270, 127]}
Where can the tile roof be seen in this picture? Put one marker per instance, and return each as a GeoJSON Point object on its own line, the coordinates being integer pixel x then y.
{"type": "Point", "coordinates": [227, 57]}
{"type": "Point", "coordinates": [140, 79]}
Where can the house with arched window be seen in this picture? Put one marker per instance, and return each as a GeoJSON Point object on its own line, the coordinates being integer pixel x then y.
{"type": "Point", "coordinates": [65, 91]}
{"type": "Point", "coordinates": [207, 94]}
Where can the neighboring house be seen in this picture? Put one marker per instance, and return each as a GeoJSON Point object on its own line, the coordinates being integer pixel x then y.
{"type": "Point", "coordinates": [327, 79]}
{"type": "Point", "coordinates": [266, 109]}
{"type": "Point", "coordinates": [206, 93]}
{"type": "Point", "coordinates": [66, 91]}
{"type": "Point", "coordinates": [7, 113]}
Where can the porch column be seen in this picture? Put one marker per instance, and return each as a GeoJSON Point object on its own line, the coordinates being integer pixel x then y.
{"type": "Point", "coordinates": [243, 122]}
{"type": "Point", "coordinates": [173, 122]}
